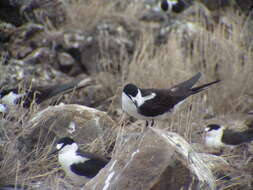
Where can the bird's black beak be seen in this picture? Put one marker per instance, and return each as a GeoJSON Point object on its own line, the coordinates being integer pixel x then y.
{"type": "Point", "coordinates": [129, 96]}
{"type": "Point", "coordinates": [134, 101]}
{"type": "Point", "coordinates": [200, 132]}
{"type": "Point", "coordinates": [53, 152]}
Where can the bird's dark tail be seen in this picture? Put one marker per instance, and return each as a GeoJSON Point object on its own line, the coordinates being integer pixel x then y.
{"type": "Point", "coordinates": [189, 83]}
{"type": "Point", "coordinates": [203, 87]}
{"type": "Point", "coordinates": [63, 88]}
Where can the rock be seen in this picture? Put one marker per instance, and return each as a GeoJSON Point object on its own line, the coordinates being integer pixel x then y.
{"type": "Point", "coordinates": [6, 31]}
{"type": "Point", "coordinates": [156, 160]}
{"type": "Point", "coordinates": [28, 30]}
{"type": "Point", "coordinates": [245, 5]}
{"type": "Point", "coordinates": [9, 12]}
{"type": "Point", "coordinates": [39, 56]}
{"type": "Point", "coordinates": [91, 128]}
{"type": "Point", "coordinates": [153, 16]}
{"type": "Point", "coordinates": [13, 187]}
{"type": "Point", "coordinates": [43, 11]}
{"type": "Point", "coordinates": [217, 4]}
{"type": "Point", "coordinates": [101, 49]}
{"type": "Point", "coordinates": [86, 125]}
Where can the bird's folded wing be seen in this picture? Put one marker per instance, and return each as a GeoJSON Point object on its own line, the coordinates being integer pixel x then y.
{"type": "Point", "coordinates": [89, 168]}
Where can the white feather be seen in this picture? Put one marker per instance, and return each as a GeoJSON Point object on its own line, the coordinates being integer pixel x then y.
{"type": "Point", "coordinates": [213, 138]}
{"type": "Point", "coordinates": [66, 157]}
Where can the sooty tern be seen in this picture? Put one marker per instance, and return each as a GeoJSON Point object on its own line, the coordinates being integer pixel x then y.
{"type": "Point", "coordinates": [173, 6]}
{"type": "Point", "coordinates": [217, 136]}
{"type": "Point", "coordinates": [78, 166]}
{"type": "Point", "coordinates": [38, 94]}
{"type": "Point", "coordinates": [150, 104]}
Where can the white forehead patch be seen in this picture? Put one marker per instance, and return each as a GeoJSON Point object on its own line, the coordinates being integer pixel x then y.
{"type": "Point", "coordinates": [59, 146]}
{"type": "Point", "coordinates": [207, 129]}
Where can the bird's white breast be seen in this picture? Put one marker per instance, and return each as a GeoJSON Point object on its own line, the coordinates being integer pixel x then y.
{"type": "Point", "coordinates": [129, 107]}
{"type": "Point", "coordinates": [66, 159]}
{"type": "Point", "coordinates": [213, 139]}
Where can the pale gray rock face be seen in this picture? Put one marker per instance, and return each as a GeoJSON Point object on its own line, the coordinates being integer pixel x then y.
{"type": "Point", "coordinates": [83, 123]}
{"type": "Point", "coordinates": [152, 161]}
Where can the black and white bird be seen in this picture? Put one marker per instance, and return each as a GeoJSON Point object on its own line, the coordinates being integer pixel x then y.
{"type": "Point", "coordinates": [217, 136]}
{"type": "Point", "coordinates": [38, 94]}
{"type": "Point", "coordinates": [77, 165]}
{"type": "Point", "coordinates": [154, 104]}
{"type": "Point", "coordinates": [176, 6]}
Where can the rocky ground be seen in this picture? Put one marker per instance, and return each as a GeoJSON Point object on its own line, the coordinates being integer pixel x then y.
{"type": "Point", "coordinates": [115, 42]}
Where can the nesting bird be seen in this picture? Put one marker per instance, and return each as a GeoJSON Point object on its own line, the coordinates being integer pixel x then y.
{"type": "Point", "coordinates": [154, 104]}
{"type": "Point", "coordinates": [217, 136]}
{"type": "Point", "coordinates": [37, 94]}
{"type": "Point", "coordinates": [77, 165]}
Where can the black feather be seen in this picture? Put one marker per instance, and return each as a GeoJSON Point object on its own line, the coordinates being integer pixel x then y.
{"type": "Point", "coordinates": [179, 6]}
{"type": "Point", "coordinates": [235, 138]}
{"type": "Point", "coordinates": [89, 168]}
{"type": "Point", "coordinates": [166, 99]}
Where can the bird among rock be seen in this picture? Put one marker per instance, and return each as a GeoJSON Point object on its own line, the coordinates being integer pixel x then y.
{"type": "Point", "coordinates": [217, 136]}
{"type": "Point", "coordinates": [78, 166]}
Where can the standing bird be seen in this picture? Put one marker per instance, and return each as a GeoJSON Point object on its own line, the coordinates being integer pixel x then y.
{"type": "Point", "coordinates": [217, 136]}
{"type": "Point", "coordinates": [150, 104]}
{"type": "Point", "coordinates": [78, 166]}
{"type": "Point", "coordinates": [38, 94]}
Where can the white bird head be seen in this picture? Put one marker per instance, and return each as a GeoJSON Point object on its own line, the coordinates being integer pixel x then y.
{"type": "Point", "coordinates": [66, 144]}
{"type": "Point", "coordinates": [213, 135]}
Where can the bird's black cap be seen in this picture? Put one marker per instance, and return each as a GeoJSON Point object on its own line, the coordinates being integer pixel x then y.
{"type": "Point", "coordinates": [65, 141]}
{"type": "Point", "coordinates": [131, 89]}
{"type": "Point", "coordinates": [164, 5]}
{"type": "Point", "coordinates": [213, 127]}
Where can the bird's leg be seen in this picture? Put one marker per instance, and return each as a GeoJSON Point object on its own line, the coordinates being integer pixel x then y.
{"type": "Point", "coordinates": [146, 123]}
{"type": "Point", "coordinates": [152, 123]}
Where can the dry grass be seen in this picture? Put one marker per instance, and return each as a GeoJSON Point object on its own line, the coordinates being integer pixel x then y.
{"type": "Point", "coordinates": [222, 53]}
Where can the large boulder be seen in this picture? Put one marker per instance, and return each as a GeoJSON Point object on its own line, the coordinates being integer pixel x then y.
{"type": "Point", "coordinates": [154, 160]}
{"type": "Point", "coordinates": [86, 125]}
